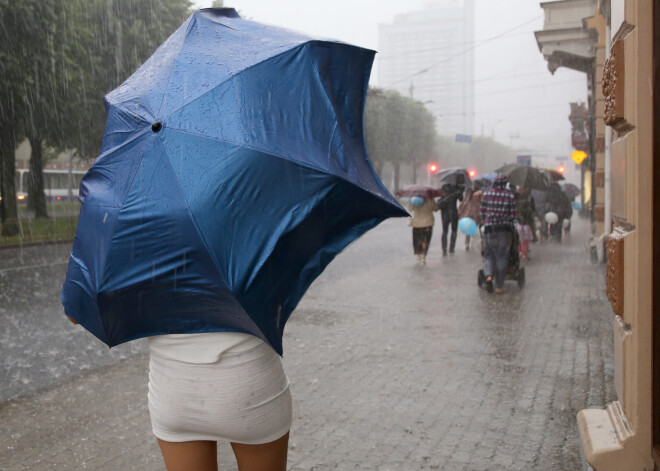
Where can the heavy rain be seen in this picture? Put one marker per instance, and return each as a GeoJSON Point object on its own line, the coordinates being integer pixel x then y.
{"type": "Point", "coordinates": [420, 204]}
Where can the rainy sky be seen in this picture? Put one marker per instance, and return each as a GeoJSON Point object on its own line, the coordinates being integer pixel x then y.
{"type": "Point", "coordinates": [518, 101]}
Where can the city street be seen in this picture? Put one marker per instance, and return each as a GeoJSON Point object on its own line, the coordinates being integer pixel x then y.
{"type": "Point", "coordinates": [393, 365]}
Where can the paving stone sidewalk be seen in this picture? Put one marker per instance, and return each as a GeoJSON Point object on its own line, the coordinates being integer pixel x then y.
{"type": "Point", "coordinates": [393, 366]}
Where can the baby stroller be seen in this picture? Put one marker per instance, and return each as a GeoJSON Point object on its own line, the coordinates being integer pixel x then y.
{"type": "Point", "coordinates": [514, 271]}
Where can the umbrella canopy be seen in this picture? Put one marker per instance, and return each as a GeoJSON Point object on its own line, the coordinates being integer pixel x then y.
{"type": "Point", "coordinates": [233, 169]}
{"type": "Point", "coordinates": [426, 192]}
{"type": "Point", "coordinates": [484, 182]}
{"type": "Point", "coordinates": [456, 176]}
{"type": "Point", "coordinates": [524, 176]}
{"type": "Point", "coordinates": [570, 189]}
{"type": "Point", "coordinates": [552, 175]}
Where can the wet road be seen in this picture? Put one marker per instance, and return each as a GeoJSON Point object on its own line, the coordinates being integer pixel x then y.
{"type": "Point", "coordinates": [393, 365]}
{"type": "Point", "coordinates": [38, 345]}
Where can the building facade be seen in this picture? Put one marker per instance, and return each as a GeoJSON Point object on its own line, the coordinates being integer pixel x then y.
{"type": "Point", "coordinates": [625, 59]}
{"type": "Point", "coordinates": [429, 55]}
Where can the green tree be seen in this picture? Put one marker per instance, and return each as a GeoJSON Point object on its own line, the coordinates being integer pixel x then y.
{"type": "Point", "coordinates": [53, 54]}
{"type": "Point", "coordinates": [12, 20]}
{"type": "Point", "coordinates": [126, 33]}
{"type": "Point", "coordinates": [58, 59]}
{"type": "Point", "coordinates": [399, 130]}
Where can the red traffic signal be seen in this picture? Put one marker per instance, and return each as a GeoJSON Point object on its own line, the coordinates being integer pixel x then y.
{"type": "Point", "coordinates": [472, 173]}
{"type": "Point", "coordinates": [433, 168]}
{"type": "Point", "coordinates": [561, 169]}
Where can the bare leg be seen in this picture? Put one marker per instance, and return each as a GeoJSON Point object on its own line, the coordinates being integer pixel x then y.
{"type": "Point", "coordinates": [267, 457]}
{"type": "Point", "coordinates": [190, 456]}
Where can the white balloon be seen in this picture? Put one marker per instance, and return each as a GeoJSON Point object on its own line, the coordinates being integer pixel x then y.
{"type": "Point", "coordinates": [551, 218]}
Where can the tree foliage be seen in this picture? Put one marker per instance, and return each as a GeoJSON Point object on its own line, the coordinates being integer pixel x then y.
{"type": "Point", "coordinates": [399, 130]}
{"type": "Point", "coordinates": [57, 60]}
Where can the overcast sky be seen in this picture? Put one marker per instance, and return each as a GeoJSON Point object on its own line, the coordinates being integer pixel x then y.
{"type": "Point", "coordinates": [518, 101]}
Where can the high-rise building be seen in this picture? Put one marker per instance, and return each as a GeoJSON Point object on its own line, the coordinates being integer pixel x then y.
{"type": "Point", "coordinates": [429, 56]}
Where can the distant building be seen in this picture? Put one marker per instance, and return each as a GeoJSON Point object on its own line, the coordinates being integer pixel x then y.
{"type": "Point", "coordinates": [429, 55]}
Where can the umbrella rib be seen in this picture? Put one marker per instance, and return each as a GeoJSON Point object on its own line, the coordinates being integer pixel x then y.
{"type": "Point", "coordinates": [244, 70]}
{"type": "Point", "coordinates": [169, 80]}
{"type": "Point", "coordinates": [269, 152]}
{"type": "Point", "coordinates": [192, 218]}
{"type": "Point", "coordinates": [249, 146]}
{"type": "Point", "coordinates": [118, 146]}
{"type": "Point", "coordinates": [128, 111]}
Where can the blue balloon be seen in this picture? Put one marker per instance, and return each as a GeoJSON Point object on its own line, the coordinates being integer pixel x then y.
{"type": "Point", "coordinates": [577, 205]}
{"type": "Point", "coordinates": [467, 226]}
{"type": "Point", "coordinates": [416, 201]}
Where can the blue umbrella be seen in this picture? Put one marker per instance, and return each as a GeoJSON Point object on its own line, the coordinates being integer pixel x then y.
{"type": "Point", "coordinates": [233, 169]}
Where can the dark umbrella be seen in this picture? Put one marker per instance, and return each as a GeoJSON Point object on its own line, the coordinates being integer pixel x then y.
{"type": "Point", "coordinates": [524, 176]}
{"type": "Point", "coordinates": [233, 169]}
{"type": "Point", "coordinates": [419, 190]}
{"type": "Point", "coordinates": [456, 176]}
{"type": "Point", "coordinates": [570, 189]}
{"type": "Point", "coordinates": [484, 182]}
{"type": "Point", "coordinates": [551, 175]}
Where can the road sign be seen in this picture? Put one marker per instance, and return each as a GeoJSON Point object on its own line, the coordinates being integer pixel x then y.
{"type": "Point", "coordinates": [466, 138]}
{"type": "Point", "coordinates": [578, 156]}
{"type": "Point", "coordinates": [524, 159]}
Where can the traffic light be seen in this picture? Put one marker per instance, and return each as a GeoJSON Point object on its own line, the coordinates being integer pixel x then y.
{"type": "Point", "coordinates": [472, 172]}
{"type": "Point", "coordinates": [433, 168]}
{"type": "Point", "coordinates": [561, 169]}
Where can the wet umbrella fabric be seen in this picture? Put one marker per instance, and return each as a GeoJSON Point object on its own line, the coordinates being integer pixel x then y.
{"type": "Point", "coordinates": [552, 175]}
{"type": "Point", "coordinates": [233, 169]}
{"type": "Point", "coordinates": [426, 192]}
{"type": "Point", "coordinates": [456, 176]}
{"type": "Point", "coordinates": [570, 189]}
{"type": "Point", "coordinates": [484, 181]}
{"type": "Point", "coordinates": [524, 176]}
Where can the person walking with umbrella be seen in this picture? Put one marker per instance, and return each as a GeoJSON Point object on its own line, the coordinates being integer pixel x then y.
{"type": "Point", "coordinates": [498, 210]}
{"type": "Point", "coordinates": [422, 222]}
{"type": "Point", "coordinates": [449, 209]}
{"type": "Point", "coordinates": [233, 170]}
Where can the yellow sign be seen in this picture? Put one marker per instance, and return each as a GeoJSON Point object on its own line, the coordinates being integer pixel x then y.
{"type": "Point", "coordinates": [578, 156]}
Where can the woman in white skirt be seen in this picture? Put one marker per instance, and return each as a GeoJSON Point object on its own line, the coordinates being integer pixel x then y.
{"type": "Point", "coordinates": [218, 386]}
{"type": "Point", "coordinates": [208, 387]}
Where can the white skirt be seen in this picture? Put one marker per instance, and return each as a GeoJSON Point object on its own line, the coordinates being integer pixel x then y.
{"type": "Point", "coordinates": [243, 397]}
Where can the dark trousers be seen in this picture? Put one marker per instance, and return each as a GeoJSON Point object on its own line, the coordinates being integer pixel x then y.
{"type": "Point", "coordinates": [496, 255]}
{"type": "Point", "coordinates": [449, 217]}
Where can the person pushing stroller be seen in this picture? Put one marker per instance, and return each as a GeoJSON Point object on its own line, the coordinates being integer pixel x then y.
{"type": "Point", "coordinates": [498, 211]}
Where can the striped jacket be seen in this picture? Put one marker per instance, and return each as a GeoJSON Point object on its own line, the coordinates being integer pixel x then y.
{"type": "Point", "coordinates": [498, 208]}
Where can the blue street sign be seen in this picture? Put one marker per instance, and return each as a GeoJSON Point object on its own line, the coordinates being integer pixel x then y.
{"type": "Point", "coordinates": [464, 138]}
{"type": "Point", "coordinates": [524, 159]}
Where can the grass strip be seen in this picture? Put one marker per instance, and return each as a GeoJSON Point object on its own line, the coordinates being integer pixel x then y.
{"type": "Point", "coordinates": [42, 230]}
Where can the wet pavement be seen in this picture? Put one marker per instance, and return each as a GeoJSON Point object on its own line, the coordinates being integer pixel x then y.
{"type": "Point", "coordinates": [393, 365]}
{"type": "Point", "coordinates": [36, 347]}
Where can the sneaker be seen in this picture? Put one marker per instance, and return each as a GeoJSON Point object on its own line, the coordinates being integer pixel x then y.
{"type": "Point", "coordinates": [489, 284]}
{"type": "Point", "coordinates": [499, 290]}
